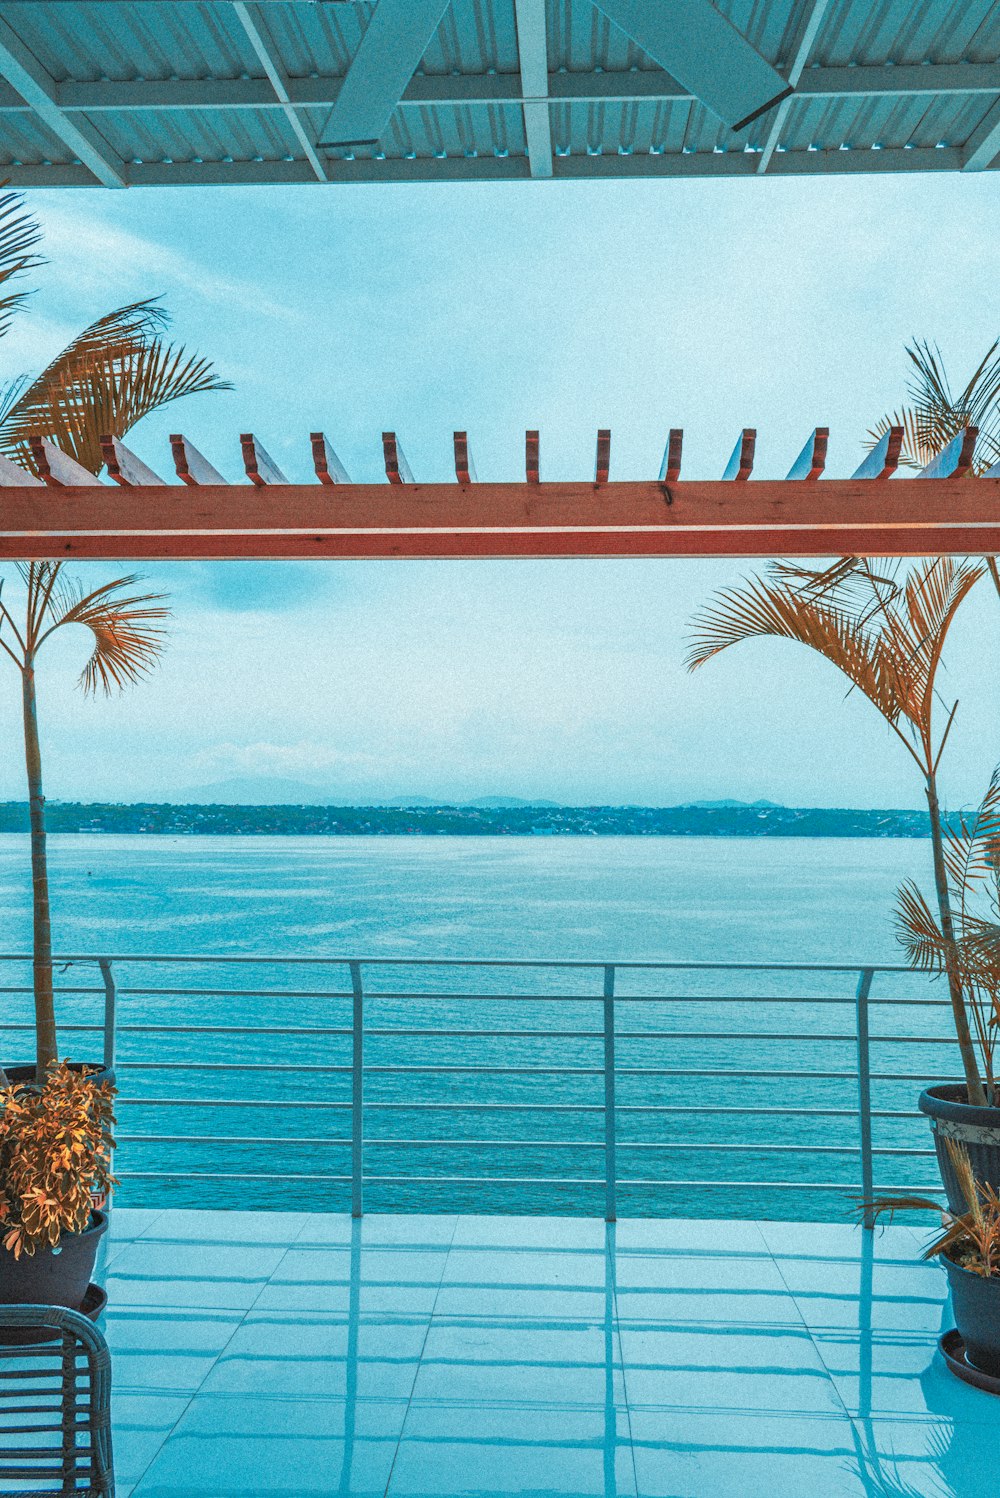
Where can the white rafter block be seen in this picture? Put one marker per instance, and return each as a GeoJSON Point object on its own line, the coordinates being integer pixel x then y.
{"type": "Point", "coordinates": [191, 467]}
{"type": "Point", "coordinates": [13, 476]}
{"type": "Point", "coordinates": [955, 460]}
{"type": "Point", "coordinates": [124, 467]}
{"type": "Point", "coordinates": [58, 468]}
{"type": "Point", "coordinates": [261, 469]}
{"type": "Point", "coordinates": [701, 48]}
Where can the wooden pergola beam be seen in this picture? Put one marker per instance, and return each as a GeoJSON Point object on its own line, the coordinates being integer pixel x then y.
{"type": "Point", "coordinates": [903, 517]}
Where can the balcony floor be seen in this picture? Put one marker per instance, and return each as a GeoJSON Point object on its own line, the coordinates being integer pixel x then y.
{"type": "Point", "coordinates": [271, 1353]}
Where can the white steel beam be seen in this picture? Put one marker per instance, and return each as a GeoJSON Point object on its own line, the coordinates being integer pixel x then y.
{"type": "Point", "coordinates": [533, 56]}
{"type": "Point", "coordinates": [255, 29]}
{"type": "Point", "coordinates": [983, 145]}
{"type": "Point", "coordinates": [703, 49]}
{"type": "Point", "coordinates": [398, 35]}
{"type": "Point", "coordinates": [863, 82]}
{"type": "Point", "coordinates": [38, 89]}
{"type": "Point", "coordinates": [506, 169]}
{"type": "Point", "coordinates": [801, 47]}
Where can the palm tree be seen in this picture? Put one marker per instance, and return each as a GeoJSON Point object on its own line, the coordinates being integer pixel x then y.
{"type": "Point", "coordinates": [884, 627]}
{"type": "Point", "coordinates": [127, 639]}
{"type": "Point", "coordinates": [117, 371]}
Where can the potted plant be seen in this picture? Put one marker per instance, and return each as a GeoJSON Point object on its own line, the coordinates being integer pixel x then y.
{"type": "Point", "coordinates": [55, 1157]}
{"type": "Point", "coordinates": [118, 370]}
{"type": "Point", "coordinates": [969, 1249]}
{"type": "Point", "coordinates": [966, 953]}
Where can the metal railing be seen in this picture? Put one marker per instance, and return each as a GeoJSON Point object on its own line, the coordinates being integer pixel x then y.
{"type": "Point", "coordinates": [379, 1065]}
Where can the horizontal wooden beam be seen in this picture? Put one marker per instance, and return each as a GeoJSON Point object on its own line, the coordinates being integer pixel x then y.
{"type": "Point", "coordinates": [905, 517]}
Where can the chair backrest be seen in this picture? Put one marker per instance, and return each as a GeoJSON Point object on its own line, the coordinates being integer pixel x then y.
{"type": "Point", "coordinates": [55, 1404]}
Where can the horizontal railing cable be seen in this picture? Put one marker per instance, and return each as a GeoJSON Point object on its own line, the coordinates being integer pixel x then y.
{"type": "Point", "coordinates": [371, 1053]}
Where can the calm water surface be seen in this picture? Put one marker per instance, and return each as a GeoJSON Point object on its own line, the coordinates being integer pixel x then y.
{"type": "Point", "coordinates": [431, 1135]}
{"type": "Point", "coordinates": [689, 899]}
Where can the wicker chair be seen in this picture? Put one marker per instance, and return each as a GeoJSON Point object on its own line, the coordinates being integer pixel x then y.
{"type": "Point", "coordinates": [55, 1404]}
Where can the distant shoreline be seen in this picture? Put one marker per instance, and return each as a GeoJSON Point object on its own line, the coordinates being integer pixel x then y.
{"type": "Point", "coordinates": [468, 821]}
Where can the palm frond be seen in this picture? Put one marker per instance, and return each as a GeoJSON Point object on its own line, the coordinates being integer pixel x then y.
{"type": "Point", "coordinates": [972, 845]}
{"type": "Point", "coordinates": [962, 1166]}
{"type": "Point", "coordinates": [918, 931]}
{"type": "Point", "coordinates": [19, 233]}
{"type": "Point", "coordinates": [116, 372]}
{"type": "Point", "coordinates": [942, 416]}
{"type": "Point", "coordinates": [127, 629]}
{"type": "Point", "coordinates": [935, 589]}
{"type": "Point", "coordinates": [859, 587]}
{"type": "Point", "coordinates": [979, 950]}
{"type": "Point", "coordinates": [912, 453]}
{"type": "Point", "coordinates": [777, 610]}
{"type": "Point", "coordinates": [934, 415]}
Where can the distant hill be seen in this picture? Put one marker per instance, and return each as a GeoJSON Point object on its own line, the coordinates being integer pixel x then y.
{"type": "Point", "coordinates": [504, 803]}
{"type": "Point", "coordinates": [413, 801]}
{"type": "Point", "coordinates": [481, 801]}
{"type": "Point", "coordinates": [256, 791]}
{"type": "Point", "coordinates": [715, 805]}
{"type": "Point", "coordinates": [520, 820]}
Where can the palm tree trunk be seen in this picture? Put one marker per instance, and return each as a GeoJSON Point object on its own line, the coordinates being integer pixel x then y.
{"type": "Point", "coordinates": [45, 1020]}
{"type": "Point", "coordinates": [973, 1081]}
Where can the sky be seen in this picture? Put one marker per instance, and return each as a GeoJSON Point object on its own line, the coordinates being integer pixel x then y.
{"type": "Point", "coordinates": [566, 306]}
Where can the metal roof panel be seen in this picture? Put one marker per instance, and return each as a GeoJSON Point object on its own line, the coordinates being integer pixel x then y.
{"type": "Point", "coordinates": [169, 85]}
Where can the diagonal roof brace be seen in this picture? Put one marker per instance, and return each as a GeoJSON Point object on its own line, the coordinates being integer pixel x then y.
{"type": "Point", "coordinates": [703, 50]}
{"type": "Point", "coordinates": [398, 35]}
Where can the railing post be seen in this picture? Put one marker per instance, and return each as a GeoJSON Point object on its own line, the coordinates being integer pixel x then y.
{"type": "Point", "coordinates": [110, 1010]}
{"type": "Point", "coordinates": [865, 1092]}
{"type": "Point", "coordinates": [610, 1164]}
{"type": "Point", "coordinates": [357, 1094]}
{"type": "Point", "coordinates": [110, 1046]}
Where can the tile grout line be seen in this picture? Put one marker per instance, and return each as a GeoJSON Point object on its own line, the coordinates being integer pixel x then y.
{"type": "Point", "coordinates": [610, 1230]}
{"type": "Point", "coordinates": [196, 1391]}
{"type": "Point", "coordinates": [809, 1332]}
{"type": "Point", "coordinates": [420, 1359]}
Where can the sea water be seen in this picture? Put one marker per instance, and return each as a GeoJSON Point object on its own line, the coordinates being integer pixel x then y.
{"type": "Point", "coordinates": [431, 1140]}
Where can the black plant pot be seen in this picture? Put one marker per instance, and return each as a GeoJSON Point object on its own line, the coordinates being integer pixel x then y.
{"type": "Point", "coordinates": [53, 1276]}
{"type": "Point", "coordinates": [978, 1129]}
{"type": "Point", "coordinates": [97, 1071]}
{"type": "Point", "coordinates": [975, 1301]}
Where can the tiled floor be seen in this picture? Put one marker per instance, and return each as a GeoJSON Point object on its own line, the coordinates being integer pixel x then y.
{"type": "Point", "coordinates": [269, 1353]}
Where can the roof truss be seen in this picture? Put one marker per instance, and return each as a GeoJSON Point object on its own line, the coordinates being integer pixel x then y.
{"type": "Point", "coordinates": [268, 59]}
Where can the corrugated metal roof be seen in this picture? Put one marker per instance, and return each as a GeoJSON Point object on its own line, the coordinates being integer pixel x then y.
{"type": "Point", "coordinates": [211, 91]}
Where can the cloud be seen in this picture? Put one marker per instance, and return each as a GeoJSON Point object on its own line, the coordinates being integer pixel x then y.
{"type": "Point", "coordinates": [87, 245]}
{"type": "Point", "coordinates": [306, 757]}
{"type": "Point", "coordinates": [249, 587]}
